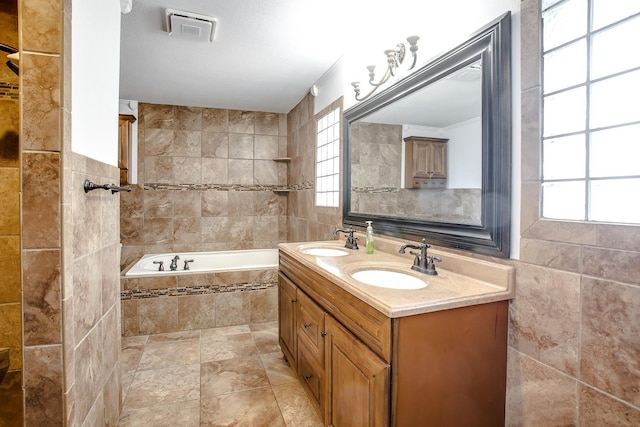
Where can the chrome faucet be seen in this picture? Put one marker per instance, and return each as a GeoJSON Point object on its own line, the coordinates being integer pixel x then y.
{"type": "Point", "coordinates": [352, 242]}
{"type": "Point", "coordinates": [422, 262]}
{"type": "Point", "coordinates": [174, 263]}
{"type": "Point", "coordinates": [186, 263]}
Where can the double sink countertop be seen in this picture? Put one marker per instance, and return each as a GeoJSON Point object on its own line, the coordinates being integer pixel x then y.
{"type": "Point", "coordinates": [461, 281]}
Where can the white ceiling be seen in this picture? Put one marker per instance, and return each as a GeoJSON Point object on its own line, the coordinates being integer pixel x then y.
{"type": "Point", "coordinates": [265, 56]}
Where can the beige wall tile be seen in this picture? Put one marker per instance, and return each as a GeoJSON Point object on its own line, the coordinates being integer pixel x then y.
{"type": "Point", "coordinates": [11, 396]}
{"type": "Point", "coordinates": [187, 143]}
{"type": "Point", "coordinates": [87, 294]}
{"type": "Point", "coordinates": [43, 385]}
{"type": "Point", "coordinates": [196, 312]}
{"type": "Point", "coordinates": [545, 316]}
{"type": "Point", "coordinates": [611, 338]}
{"type": "Point", "coordinates": [215, 120]}
{"type": "Point", "coordinates": [158, 315]}
{"type": "Point", "coordinates": [240, 146]}
{"type": "Point", "coordinates": [11, 321]}
{"type": "Point", "coordinates": [89, 369]}
{"type": "Point", "coordinates": [10, 284]}
{"type": "Point", "coordinates": [156, 116]}
{"type": "Point", "coordinates": [41, 26]}
{"type": "Point", "coordinates": [189, 118]}
{"type": "Point", "coordinates": [264, 305]}
{"type": "Point", "coordinates": [40, 200]}
{"type": "Point", "coordinates": [599, 409]}
{"type": "Point", "coordinates": [538, 395]}
{"type": "Point", "coordinates": [233, 308]}
{"type": "Point", "coordinates": [9, 201]}
{"type": "Point", "coordinates": [241, 121]}
{"type": "Point", "coordinates": [551, 254]}
{"type": "Point", "coordinates": [616, 265]}
{"type": "Point", "coordinates": [40, 102]}
{"type": "Point", "coordinates": [267, 123]}
{"type": "Point", "coordinates": [42, 309]}
{"type": "Point", "coordinates": [215, 144]}
{"type": "Point", "coordinates": [158, 142]}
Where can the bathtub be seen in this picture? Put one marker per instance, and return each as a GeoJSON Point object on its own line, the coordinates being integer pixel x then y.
{"type": "Point", "coordinates": [206, 262]}
{"type": "Point", "coordinates": [223, 288]}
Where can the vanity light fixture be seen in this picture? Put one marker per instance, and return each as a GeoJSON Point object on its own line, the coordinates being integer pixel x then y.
{"type": "Point", "coordinates": [395, 58]}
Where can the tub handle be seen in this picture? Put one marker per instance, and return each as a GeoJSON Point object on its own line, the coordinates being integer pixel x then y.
{"type": "Point", "coordinates": [161, 267]}
{"type": "Point", "coordinates": [186, 263]}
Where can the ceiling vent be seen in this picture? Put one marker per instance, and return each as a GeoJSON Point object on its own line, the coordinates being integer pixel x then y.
{"type": "Point", "coordinates": [190, 25]}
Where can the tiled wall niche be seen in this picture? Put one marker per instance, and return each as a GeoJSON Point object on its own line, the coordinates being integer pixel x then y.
{"type": "Point", "coordinates": [11, 409]}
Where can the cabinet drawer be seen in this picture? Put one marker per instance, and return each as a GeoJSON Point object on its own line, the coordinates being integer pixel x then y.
{"type": "Point", "coordinates": [312, 376]}
{"type": "Point", "coordinates": [311, 326]}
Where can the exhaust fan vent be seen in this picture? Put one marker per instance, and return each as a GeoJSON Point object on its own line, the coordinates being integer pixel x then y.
{"type": "Point", "coordinates": [190, 25]}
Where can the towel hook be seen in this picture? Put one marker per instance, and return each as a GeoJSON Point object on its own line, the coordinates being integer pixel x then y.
{"type": "Point", "coordinates": [90, 186]}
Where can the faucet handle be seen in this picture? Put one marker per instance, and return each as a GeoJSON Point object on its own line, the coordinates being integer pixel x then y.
{"type": "Point", "coordinates": [186, 264]}
{"type": "Point", "coordinates": [161, 266]}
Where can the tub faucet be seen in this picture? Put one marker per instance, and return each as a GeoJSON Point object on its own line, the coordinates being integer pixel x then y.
{"type": "Point", "coordinates": [352, 242]}
{"type": "Point", "coordinates": [174, 263]}
{"type": "Point", "coordinates": [422, 262]}
{"type": "Point", "coordinates": [186, 263]}
{"type": "Point", "coordinates": [161, 267]}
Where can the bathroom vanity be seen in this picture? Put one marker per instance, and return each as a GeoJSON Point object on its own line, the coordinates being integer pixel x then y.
{"type": "Point", "coordinates": [380, 355]}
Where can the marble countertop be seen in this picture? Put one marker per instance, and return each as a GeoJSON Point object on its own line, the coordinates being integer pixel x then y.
{"type": "Point", "coordinates": [461, 281]}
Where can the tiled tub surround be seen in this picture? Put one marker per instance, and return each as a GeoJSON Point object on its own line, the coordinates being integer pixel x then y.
{"type": "Point", "coordinates": [182, 302]}
{"type": "Point", "coordinates": [207, 182]}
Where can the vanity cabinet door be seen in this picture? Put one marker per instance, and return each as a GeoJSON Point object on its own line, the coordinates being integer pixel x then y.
{"type": "Point", "coordinates": [311, 328]}
{"type": "Point", "coordinates": [357, 381]}
{"type": "Point", "coordinates": [287, 300]}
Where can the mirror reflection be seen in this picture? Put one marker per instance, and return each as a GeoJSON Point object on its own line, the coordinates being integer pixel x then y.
{"type": "Point", "coordinates": [421, 156]}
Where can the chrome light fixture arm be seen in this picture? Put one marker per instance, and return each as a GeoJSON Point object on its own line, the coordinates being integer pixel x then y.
{"type": "Point", "coordinates": [395, 58]}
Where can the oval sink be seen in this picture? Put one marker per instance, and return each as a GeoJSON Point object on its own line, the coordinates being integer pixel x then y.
{"type": "Point", "coordinates": [319, 251]}
{"type": "Point", "coordinates": [388, 279]}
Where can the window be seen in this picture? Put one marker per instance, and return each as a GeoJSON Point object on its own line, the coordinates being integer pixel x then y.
{"type": "Point", "coordinates": [328, 160]}
{"type": "Point", "coordinates": [591, 118]}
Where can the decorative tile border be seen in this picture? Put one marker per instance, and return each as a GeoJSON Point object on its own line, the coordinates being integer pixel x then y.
{"type": "Point", "coordinates": [135, 294]}
{"type": "Point", "coordinates": [226, 187]}
{"type": "Point", "coordinates": [370, 190]}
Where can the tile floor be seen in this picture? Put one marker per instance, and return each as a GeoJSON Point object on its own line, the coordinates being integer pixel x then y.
{"type": "Point", "coordinates": [211, 377]}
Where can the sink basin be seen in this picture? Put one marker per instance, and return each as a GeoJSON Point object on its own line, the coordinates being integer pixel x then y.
{"type": "Point", "coordinates": [321, 251]}
{"type": "Point", "coordinates": [388, 279]}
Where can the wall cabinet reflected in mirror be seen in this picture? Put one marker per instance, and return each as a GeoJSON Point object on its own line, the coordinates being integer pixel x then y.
{"type": "Point", "coordinates": [426, 162]}
{"type": "Point", "coordinates": [124, 147]}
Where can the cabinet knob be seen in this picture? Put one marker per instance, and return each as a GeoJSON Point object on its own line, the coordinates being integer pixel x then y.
{"type": "Point", "coordinates": [294, 300]}
{"type": "Point", "coordinates": [306, 325]}
{"type": "Point", "coordinates": [307, 377]}
{"type": "Point", "coordinates": [323, 333]}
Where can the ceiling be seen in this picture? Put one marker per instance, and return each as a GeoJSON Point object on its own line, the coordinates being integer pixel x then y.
{"type": "Point", "coordinates": [265, 56]}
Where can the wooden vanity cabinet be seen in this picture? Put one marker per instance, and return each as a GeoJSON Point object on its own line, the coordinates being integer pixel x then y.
{"type": "Point", "coordinates": [357, 381]}
{"type": "Point", "coordinates": [361, 368]}
{"type": "Point", "coordinates": [287, 318]}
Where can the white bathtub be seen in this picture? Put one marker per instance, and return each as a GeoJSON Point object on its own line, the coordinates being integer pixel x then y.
{"type": "Point", "coordinates": [204, 262]}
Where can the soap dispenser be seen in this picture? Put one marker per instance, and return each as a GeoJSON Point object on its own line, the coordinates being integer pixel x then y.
{"type": "Point", "coordinates": [369, 237]}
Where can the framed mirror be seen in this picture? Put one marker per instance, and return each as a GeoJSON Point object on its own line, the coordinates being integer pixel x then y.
{"type": "Point", "coordinates": [430, 156]}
